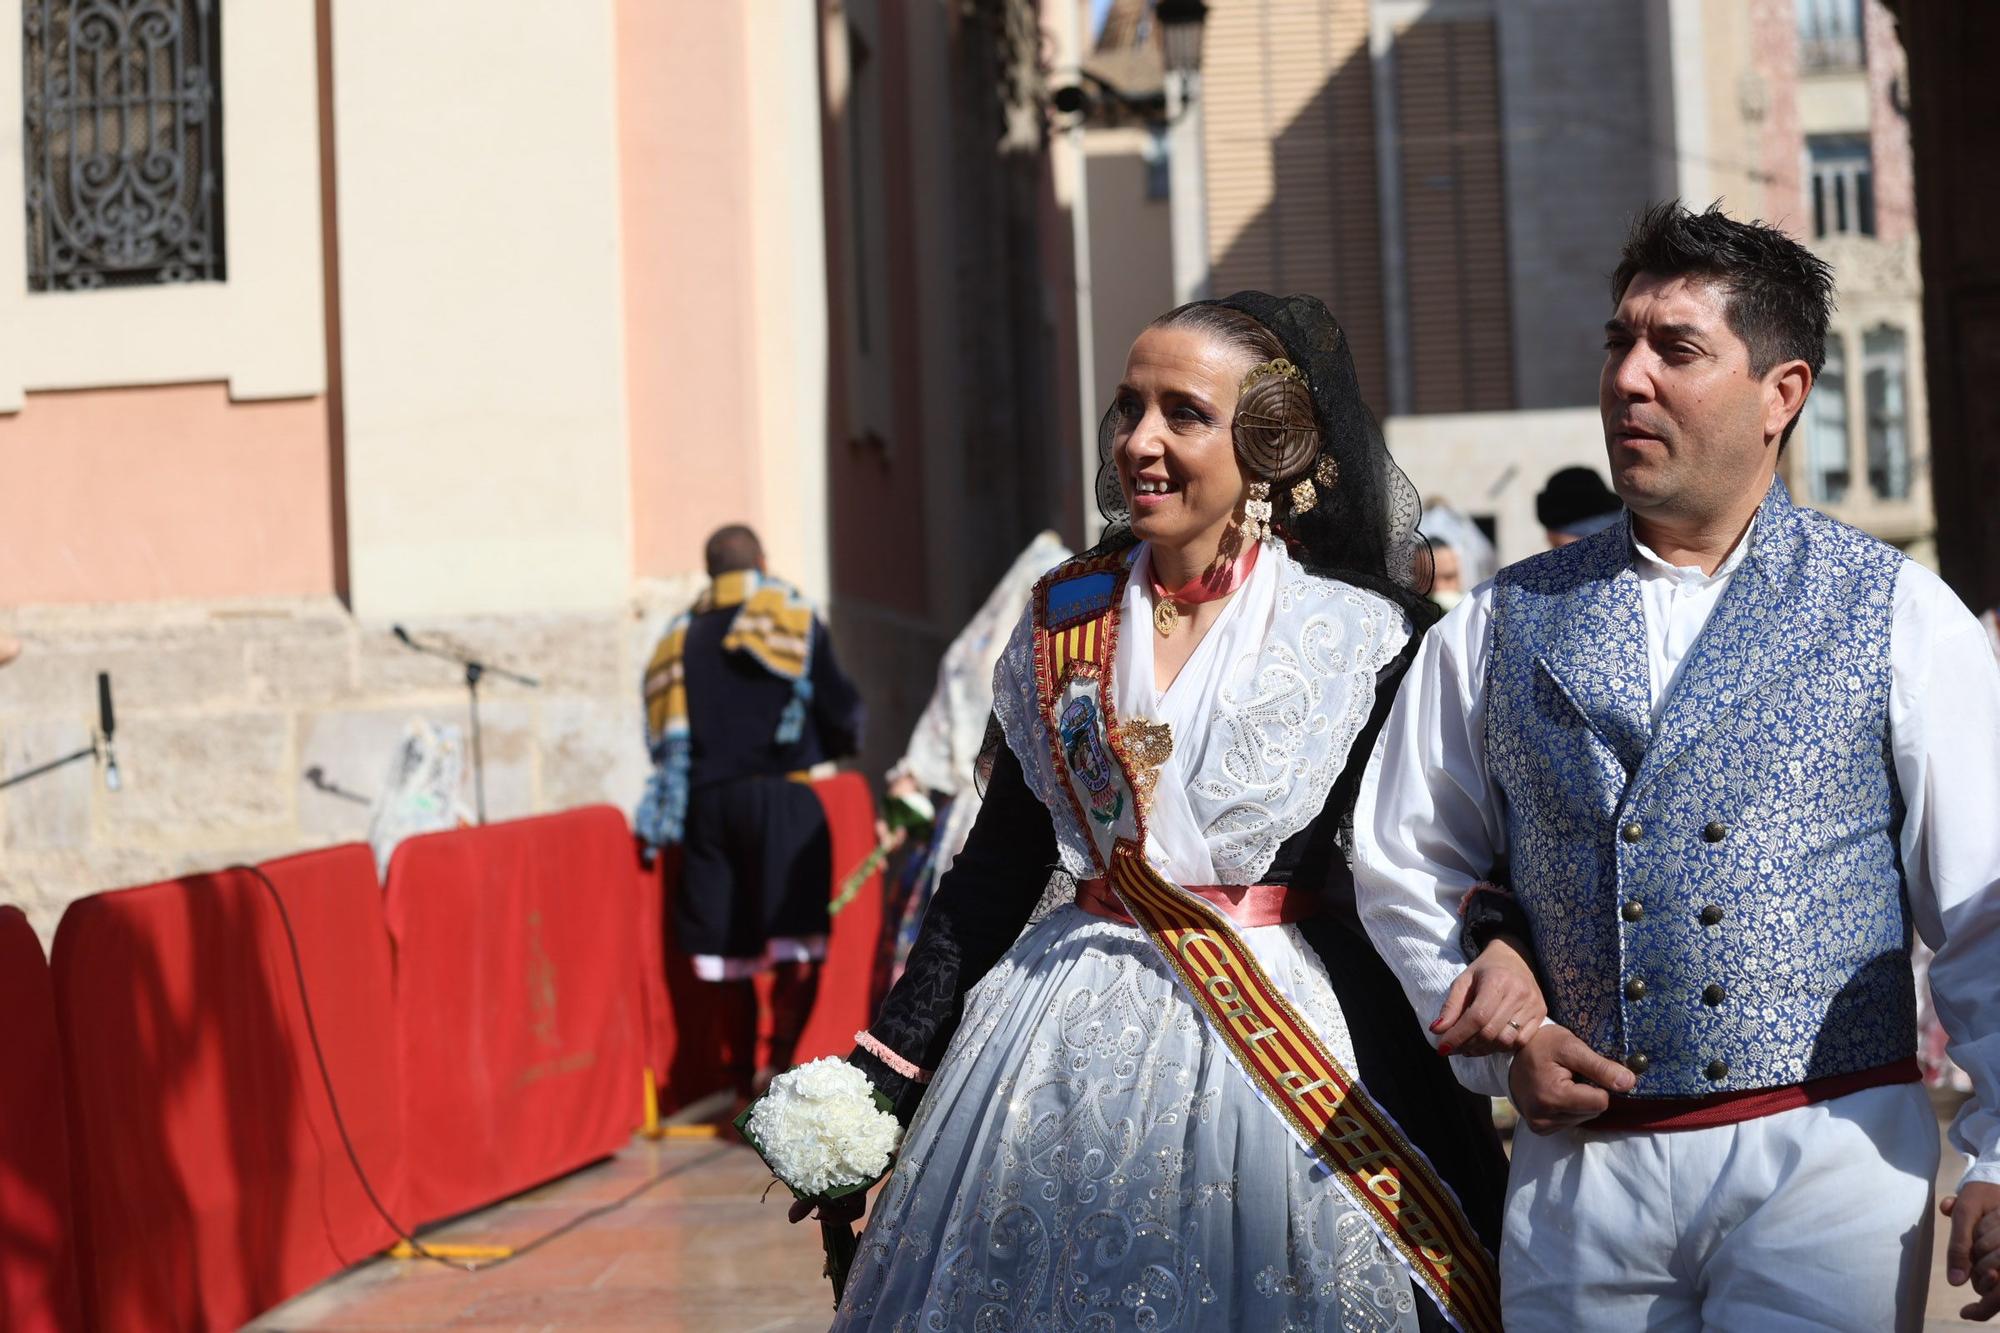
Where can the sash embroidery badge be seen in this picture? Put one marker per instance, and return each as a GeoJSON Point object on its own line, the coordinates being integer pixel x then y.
{"type": "Point", "coordinates": [1083, 749]}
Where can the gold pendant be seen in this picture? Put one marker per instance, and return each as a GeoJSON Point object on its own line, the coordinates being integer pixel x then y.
{"type": "Point", "coordinates": [1166, 616]}
{"type": "Point", "coordinates": [1144, 746]}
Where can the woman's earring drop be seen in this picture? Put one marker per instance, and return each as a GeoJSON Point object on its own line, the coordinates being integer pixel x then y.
{"type": "Point", "coordinates": [1257, 512]}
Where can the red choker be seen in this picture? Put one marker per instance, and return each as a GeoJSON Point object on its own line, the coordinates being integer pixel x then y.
{"type": "Point", "coordinates": [1168, 604]}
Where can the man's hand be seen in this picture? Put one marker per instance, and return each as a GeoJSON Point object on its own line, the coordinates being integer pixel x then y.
{"type": "Point", "coordinates": [847, 1208]}
{"type": "Point", "coordinates": [1558, 1082]}
{"type": "Point", "coordinates": [1495, 1005]}
{"type": "Point", "coordinates": [1973, 1253]}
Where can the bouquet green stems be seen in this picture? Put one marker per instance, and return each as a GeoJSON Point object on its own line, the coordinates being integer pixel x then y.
{"type": "Point", "coordinates": [837, 1139]}
{"type": "Point", "coordinates": [913, 814]}
{"type": "Point", "coordinates": [841, 1244]}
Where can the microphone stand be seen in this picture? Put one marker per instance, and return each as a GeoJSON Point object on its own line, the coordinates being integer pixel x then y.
{"type": "Point", "coordinates": [99, 747]}
{"type": "Point", "coordinates": [475, 671]}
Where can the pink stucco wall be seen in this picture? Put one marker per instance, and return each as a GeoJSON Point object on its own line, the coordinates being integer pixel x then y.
{"type": "Point", "coordinates": [684, 142]}
{"type": "Point", "coordinates": [144, 494]}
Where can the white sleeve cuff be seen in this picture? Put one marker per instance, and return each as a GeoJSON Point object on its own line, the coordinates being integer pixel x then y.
{"type": "Point", "coordinates": [1484, 1074]}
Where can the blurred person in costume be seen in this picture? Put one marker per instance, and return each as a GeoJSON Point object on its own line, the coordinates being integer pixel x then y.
{"type": "Point", "coordinates": [941, 760]}
{"type": "Point", "coordinates": [1735, 755]}
{"type": "Point", "coordinates": [1459, 556]}
{"type": "Point", "coordinates": [1574, 504]}
{"type": "Point", "coordinates": [1152, 1071]}
{"type": "Point", "coordinates": [743, 697]}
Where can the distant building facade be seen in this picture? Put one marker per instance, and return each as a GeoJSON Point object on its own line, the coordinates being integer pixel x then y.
{"type": "Point", "coordinates": [1454, 177]}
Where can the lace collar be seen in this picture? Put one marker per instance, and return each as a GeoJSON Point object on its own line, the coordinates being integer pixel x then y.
{"type": "Point", "coordinates": [1281, 710]}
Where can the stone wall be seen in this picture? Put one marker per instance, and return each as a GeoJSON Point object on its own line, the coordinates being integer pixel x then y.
{"type": "Point", "coordinates": [222, 708]}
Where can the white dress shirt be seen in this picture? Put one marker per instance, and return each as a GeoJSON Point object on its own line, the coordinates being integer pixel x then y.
{"type": "Point", "coordinates": [1429, 821]}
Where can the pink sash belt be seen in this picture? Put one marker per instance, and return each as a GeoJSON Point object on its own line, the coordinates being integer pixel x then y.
{"type": "Point", "coordinates": [1247, 905]}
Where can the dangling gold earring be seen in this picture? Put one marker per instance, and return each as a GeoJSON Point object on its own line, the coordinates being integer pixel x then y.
{"type": "Point", "coordinates": [1257, 512]}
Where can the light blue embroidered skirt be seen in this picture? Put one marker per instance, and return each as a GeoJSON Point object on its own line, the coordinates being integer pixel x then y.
{"type": "Point", "coordinates": [1087, 1158]}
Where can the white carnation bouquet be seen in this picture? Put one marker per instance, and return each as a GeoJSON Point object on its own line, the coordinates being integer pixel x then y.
{"type": "Point", "coordinates": [826, 1133]}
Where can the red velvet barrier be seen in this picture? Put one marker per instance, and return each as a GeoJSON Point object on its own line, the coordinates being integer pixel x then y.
{"type": "Point", "coordinates": [38, 1291]}
{"type": "Point", "coordinates": [210, 1179]}
{"type": "Point", "coordinates": [847, 982]}
{"type": "Point", "coordinates": [518, 1004]}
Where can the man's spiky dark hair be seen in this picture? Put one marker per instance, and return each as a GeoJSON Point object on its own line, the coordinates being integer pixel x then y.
{"type": "Point", "coordinates": [1780, 294]}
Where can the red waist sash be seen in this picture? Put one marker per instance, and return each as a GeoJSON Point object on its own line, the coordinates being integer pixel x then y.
{"type": "Point", "coordinates": [1247, 905]}
{"type": "Point", "coordinates": [1730, 1108]}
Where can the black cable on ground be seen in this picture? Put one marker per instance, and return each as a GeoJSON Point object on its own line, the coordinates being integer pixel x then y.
{"type": "Point", "coordinates": [354, 1158]}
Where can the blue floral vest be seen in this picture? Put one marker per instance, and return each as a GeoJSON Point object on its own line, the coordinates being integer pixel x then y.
{"type": "Point", "coordinates": [1719, 901]}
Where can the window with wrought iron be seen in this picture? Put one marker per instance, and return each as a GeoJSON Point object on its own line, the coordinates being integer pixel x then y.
{"type": "Point", "coordinates": [1830, 35]}
{"type": "Point", "coordinates": [1885, 391]}
{"type": "Point", "coordinates": [1828, 471]}
{"type": "Point", "coordinates": [1842, 182]}
{"type": "Point", "coordinates": [122, 109]}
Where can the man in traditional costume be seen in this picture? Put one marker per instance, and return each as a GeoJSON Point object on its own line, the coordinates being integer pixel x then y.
{"type": "Point", "coordinates": [1731, 753]}
{"type": "Point", "coordinates": [743, 699]}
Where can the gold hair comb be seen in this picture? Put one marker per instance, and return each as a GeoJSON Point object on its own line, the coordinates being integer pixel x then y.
{"type": "Point", "coordinates": [1278, 366]}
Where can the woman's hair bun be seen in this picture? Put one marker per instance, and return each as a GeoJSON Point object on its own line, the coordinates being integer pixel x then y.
{"type": "Point", "coordinates": [1277, 434]}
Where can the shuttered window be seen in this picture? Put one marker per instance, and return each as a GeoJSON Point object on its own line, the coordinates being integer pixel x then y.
{"type": "Point", "coordinates": [1288, 102]}
{"type": "Point", "coordinates": [1454, 216]}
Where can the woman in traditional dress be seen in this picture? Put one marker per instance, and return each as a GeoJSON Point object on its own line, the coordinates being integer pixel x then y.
{"type": "Point", "coordinates": [1142, 1099]}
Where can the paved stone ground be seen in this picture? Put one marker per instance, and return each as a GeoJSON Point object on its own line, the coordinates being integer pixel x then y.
{"type": "Point", "coordinates": [695, 1252]}
{"type": "Point", "coordinates": [698, 1251]}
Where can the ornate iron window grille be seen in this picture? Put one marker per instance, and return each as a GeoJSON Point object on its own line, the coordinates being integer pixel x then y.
{"type": "Point", "coordinates": [123, 144]}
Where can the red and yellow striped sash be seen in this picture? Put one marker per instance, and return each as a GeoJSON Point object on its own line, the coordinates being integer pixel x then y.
{"type": "Point", "coordinates": [1298, 1077]}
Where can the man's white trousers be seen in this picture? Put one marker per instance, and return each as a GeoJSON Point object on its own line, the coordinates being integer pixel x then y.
{"type": "Point", "coordinates": [1813, 1219]}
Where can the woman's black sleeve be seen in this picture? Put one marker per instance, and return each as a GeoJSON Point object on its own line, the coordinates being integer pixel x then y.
{"type": "Point", "coordinates": [977, 913]}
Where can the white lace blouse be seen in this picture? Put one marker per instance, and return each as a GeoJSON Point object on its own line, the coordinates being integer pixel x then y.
{"type": "Point", "coordinates": [1263, 717]}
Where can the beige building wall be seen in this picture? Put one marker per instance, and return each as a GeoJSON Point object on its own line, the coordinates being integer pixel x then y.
{"type": "Point", "coordinates": [480, 299]}
{"type": "Point", "coordinates": [1494, 463]}
{"type": "Point", "coordinates": [1131, 253]}
{"type": "Point", "coordinates": [1737, 104]}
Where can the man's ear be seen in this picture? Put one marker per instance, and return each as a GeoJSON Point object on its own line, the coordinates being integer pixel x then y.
{"type": "Point", "coordinates": [1786, 385]}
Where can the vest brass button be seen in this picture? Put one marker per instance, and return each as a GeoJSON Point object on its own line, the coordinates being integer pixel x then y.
{"type": "Point", "coordinates": [1711, 915]}
{"type": "Point", "coordinates": [1717, 1070]}
{"type": "Point", "coordinates": [1634, 831]}
{"type": "Point", "coordinates": [1635, 989]}
{"type": "Point", "coordinates": [1632, 910]}
{"type": "Point", "coordinates": [1713, 994]}
{"type": "Point", "coordinates": [1715, 832]}
{"type": "Point", "coordinates": [1638, 1062]}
